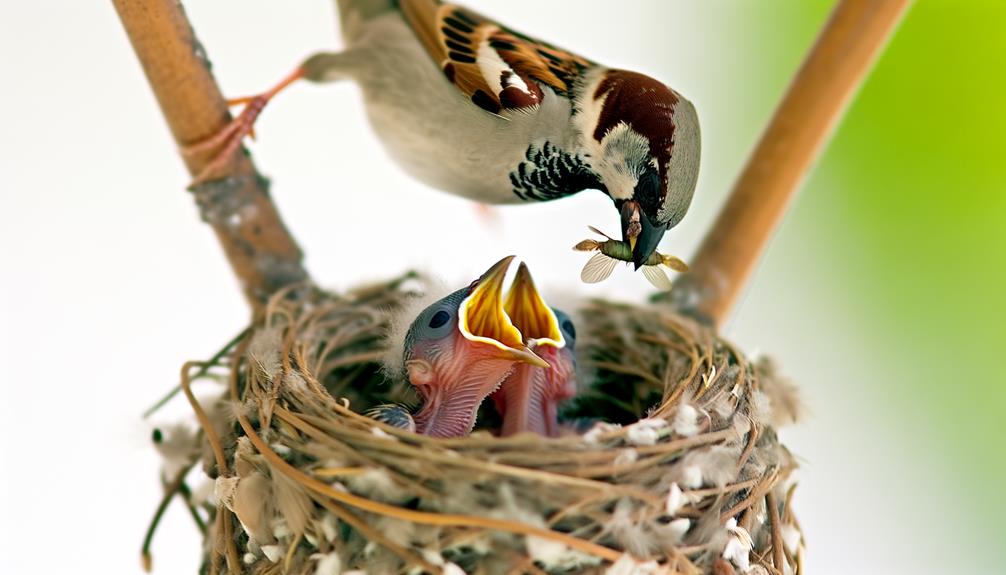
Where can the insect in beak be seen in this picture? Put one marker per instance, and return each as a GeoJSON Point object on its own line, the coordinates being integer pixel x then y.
{"type": "Point", "coordinates": [631, 228]}
{"type": "Point", "coordinates": [611, 251]}
{"type": "Point", "coordinates": [641, 235]}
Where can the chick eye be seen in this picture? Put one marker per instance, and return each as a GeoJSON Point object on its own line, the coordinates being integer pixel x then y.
{"type": "Point", "coordinates": [439, 319]}
{"type": "Point", "coordinates": [567, 326]}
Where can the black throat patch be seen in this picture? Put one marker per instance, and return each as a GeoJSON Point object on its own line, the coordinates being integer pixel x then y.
{"type": "Point", "coordinates": [548, 173]}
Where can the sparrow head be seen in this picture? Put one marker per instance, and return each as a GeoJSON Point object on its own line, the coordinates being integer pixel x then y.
{"type": "Point", "coordinates": [458, 350]}
{"type": "Point", "coordinates": [529, 399]}
{"type": "Point", "coordinates": [644, 145]}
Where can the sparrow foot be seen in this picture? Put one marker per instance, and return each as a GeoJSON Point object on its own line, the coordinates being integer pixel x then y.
{"type": "Point", "coordinates": [225, 143]}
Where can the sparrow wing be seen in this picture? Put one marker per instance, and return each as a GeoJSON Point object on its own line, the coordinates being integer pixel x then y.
{"type": "Point", "coordinates": [496, 67]}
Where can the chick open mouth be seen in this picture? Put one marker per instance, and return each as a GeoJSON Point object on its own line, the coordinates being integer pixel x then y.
{"type": "Point", "coordinates": [529, 312]}
{"type": "Point", "coordinates": [483, 319]}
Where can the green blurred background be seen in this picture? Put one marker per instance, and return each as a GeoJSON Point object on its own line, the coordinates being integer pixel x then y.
{"type": "Point", "coordinates": [903, 226]}
{"type": "Point", "coordinates": [917, 210]}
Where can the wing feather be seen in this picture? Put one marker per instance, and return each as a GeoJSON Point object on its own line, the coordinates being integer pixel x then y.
{"type": "Point", "coordinates": [494, 66]}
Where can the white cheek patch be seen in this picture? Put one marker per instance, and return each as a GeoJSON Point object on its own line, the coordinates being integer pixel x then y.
{"type": "Point", "coordinates": [624, 155]}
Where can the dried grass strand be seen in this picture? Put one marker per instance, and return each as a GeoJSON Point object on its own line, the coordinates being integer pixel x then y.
{"type": "Point", "coordinates": [601, 495]}
{"type": "Point", "coordinates": [773, 517]}
{"type": "Point", "coordinates": [444, 519]}
{"type": "Point", "coordinates": [170, 490]}
{"type": "Point", "coordinates": [376, 536]}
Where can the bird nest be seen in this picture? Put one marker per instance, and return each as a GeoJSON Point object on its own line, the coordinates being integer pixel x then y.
{"type": "Point", "coordinates": [678, 468]}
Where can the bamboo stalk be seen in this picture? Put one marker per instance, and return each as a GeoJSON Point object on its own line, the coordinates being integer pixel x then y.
{"type": "Point", "coordinates": [834, 69]}
{"type": "Point", "coordinates": [261, 251]}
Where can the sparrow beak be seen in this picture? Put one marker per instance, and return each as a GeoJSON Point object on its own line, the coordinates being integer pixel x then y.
{"type": "Point", "coordinates": [641, 235]}
{"type": "Point", "coordinates": [528, 310]}
{"type": "Point", "coordinates": [631, 227]}
{"type": "Point", "coordinates": [483, 318]}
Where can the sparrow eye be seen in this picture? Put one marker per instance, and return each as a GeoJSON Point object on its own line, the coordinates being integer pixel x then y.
{"type": "Point", "coordinates": [647, 191]}
{"type": "Point", "coordinates": [439, 319]}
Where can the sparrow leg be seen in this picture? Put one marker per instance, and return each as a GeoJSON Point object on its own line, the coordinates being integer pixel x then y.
{"type": "Point", "coordinates": [227, 141]}
{"type": "Point", "coordinates": [326, 67]}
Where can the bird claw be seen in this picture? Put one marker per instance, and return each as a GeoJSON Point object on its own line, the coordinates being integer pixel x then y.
{"type": "Point", "coordinates": [225, 143]}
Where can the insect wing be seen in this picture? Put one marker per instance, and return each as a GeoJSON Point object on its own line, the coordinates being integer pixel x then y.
{"type": "Point", "coordinates": [657, 277]}
{"type": "Point", "coordinates": [598, 269]}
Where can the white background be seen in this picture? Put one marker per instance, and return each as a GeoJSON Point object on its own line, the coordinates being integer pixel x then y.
{"type": "Point", "coordinates": [108, 281]}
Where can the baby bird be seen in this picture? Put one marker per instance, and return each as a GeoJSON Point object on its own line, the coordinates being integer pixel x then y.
{"type": "Point", "coordinates": [459, 350]}
{"type": "Point", "coordinates": [478, 109]}
{"type": "Point", "coordinates": [529, 399]}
